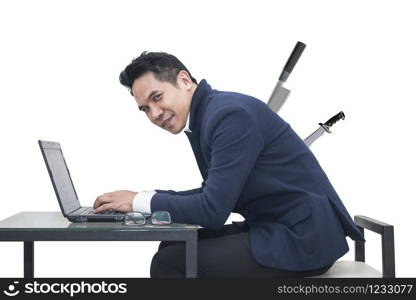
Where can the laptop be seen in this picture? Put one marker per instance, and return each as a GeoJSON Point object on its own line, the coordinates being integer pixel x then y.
{"type": "Point", "coordinates": [65, 190]}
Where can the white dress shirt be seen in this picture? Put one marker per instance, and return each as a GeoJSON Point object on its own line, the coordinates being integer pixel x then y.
{"type": "Point", "coordinates": [141, 202]}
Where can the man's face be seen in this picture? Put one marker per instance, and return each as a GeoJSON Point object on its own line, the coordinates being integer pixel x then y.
{"type": "Point", "coordinates": [165, 104]}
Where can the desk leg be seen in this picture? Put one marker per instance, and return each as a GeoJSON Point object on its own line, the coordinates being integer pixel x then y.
{"type": "Point", "coordinates": [191, 256]}
{"type": "Point", "coordinates": [28, 262]}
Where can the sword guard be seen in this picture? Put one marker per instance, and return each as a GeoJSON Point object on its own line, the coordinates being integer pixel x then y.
{"type": "Point", "coordinates": [325, 127]}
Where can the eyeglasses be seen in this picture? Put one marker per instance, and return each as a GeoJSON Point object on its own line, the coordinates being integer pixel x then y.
{"type": "Point", "coordinates": [156, 218]}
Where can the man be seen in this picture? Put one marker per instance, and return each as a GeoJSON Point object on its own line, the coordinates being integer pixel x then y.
{"type": "Point", "coordinates": [252, 163]}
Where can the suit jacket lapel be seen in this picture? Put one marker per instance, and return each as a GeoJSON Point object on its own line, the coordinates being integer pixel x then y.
{"type": "Point", "coordinates": [196, 148]}
{"type": "Point", "coordinates": [197, 108]}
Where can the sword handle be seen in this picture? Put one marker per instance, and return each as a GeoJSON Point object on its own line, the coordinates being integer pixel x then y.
{"type": "Point", "coordinates": [335, 119]}
{"type": "Point", "coordinates": [291, 62]}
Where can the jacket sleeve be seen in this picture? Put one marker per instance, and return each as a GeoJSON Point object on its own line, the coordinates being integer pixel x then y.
{"type": "Point", "coordinates": [235, 141]}
{"type": "Point", "coordinates": [187, 192]}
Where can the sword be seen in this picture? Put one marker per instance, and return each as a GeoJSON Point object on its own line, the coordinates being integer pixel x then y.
{"type": "Point", "coordinates": [280, 93]}
{"type": "Point", "coordinates": [323, 128]}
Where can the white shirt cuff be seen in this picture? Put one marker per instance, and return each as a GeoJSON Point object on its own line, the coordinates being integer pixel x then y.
{"type": "Point", "coordinates": [141, 202]}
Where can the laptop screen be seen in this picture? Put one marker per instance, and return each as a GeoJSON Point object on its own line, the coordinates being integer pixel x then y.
{"type": "Point", "coordinates": [60, 177]}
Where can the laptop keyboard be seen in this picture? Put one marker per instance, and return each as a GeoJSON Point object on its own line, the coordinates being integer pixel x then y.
{"type": "Point", "coordinates": [112, 212]}
{"type": "Point", "coordinates": [107, 212]}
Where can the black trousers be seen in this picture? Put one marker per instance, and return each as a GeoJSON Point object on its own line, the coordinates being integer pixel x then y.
{"type": "Point", "coordinates": [222, 253]}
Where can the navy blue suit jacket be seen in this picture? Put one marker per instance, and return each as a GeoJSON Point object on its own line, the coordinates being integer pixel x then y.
{"type": "Point", "coordinates": [254, 164]}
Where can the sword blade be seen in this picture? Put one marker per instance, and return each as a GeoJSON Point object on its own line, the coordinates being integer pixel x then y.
{"type": "Point", "coordinates": [314, 136]}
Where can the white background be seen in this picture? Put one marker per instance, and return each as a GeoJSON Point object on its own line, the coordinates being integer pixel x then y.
{"type": "Point", "coordinates": [59, 67]}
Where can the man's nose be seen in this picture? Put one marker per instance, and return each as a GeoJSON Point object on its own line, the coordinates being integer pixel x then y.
{"type": "Point", "coordinates": [156, 113]}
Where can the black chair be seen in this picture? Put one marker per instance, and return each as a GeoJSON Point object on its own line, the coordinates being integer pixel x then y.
{"type": "Point", "coordinates": [358, 268]}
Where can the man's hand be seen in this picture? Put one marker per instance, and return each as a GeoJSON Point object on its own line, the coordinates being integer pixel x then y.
{"type": "Point", "coordinates": [118, 200]}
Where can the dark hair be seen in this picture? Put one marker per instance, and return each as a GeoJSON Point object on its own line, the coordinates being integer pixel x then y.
{"type": "Point", "coordinates": [164, 66]}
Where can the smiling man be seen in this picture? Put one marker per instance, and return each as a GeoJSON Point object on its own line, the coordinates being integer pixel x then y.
{"type": "Point", "coordinates": [252, 163]}
{"type": "Point", "coordinates": [171, 113]}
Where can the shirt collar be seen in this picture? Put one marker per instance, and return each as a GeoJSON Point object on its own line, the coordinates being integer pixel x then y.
{"type": "Point", "coordinates": [186, 128]}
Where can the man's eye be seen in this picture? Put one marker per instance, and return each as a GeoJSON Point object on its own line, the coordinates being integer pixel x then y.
{"type": "Point", "coordinates": [157, 97]}
{"type": "Point", "coordinates": [143, 109]}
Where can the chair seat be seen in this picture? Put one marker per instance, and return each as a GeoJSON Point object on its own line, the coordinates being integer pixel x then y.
{"type": "Point", "coordinates": [348, 268]}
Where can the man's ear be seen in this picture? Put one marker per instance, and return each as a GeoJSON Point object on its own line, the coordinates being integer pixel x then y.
{"type": "Point", "coordinates": [184, 79]}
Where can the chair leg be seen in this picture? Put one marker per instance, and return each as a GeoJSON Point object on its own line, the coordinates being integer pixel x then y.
{"type": "Point", "coordinates": [360, 248]}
